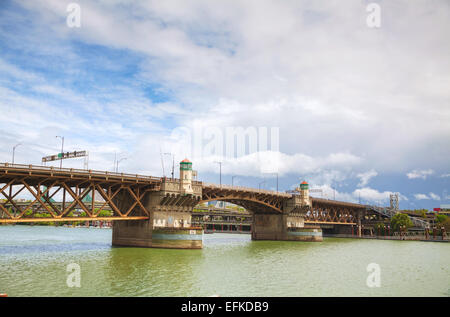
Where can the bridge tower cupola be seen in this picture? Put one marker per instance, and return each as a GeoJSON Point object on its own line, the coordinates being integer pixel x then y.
{"type": "Point", "coordinates": [186, 176]}
{"type": "Point", "coordinates": [304, 193]}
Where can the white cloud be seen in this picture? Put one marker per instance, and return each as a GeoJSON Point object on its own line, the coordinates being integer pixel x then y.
{"type": "Point", "coordinates": [434, 196]}
{"type": "Point", "coordinates": [238, 51]}
{"type": "Point", "coordinates": [374, 195]}
{"type": "Point", "coordinates": [365, 177]}
{"type": "Point", "coordinates": [421, 196]}
{"type": "Point", "coordinates": [419, 174]}
{"type": "Point", "coordinates": [364, 195]}
{"type": "Point", "coordinates": [431, 196]}
{"type": "Point", "coordinates": [445, 175]}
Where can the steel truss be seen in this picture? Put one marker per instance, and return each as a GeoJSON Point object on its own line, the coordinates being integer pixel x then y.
{"type": "Point", "coordinates": [43, 186]}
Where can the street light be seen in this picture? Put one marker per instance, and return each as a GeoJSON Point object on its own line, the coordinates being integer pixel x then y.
{"type": "Point", "coordinates": [14, 149]}
{"type": "Point", "coordinates": [173, 162]}
{"type": "Point", "coordinates": [220, 172]}
{"type": "Point", "coordinates": [277, 181]}
{"type": "Point", "coordinates": [232, 179]}
{"type": "Point", "coordinates": [259, 185]}
{"type": "Point", "coordinates": [62, 150]}
{"type": "Point", "coordinates": [117, 168]}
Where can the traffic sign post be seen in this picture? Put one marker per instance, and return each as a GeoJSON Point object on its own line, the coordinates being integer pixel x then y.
{"type": "Point", "coordinates": [63, 156]}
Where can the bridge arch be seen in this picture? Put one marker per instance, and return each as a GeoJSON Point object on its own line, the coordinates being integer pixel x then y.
{"type": "Point", "coordinates": [256, 201]}
{"type": "Point", "coordinates": [253, 205]}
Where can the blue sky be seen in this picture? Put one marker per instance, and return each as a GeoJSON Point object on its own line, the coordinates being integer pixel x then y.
{"type": "Point", "coordinates": [361, 112]}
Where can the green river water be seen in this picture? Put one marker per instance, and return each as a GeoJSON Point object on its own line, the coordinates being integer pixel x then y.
{"type": "Point", "coordinates": [34, 259]}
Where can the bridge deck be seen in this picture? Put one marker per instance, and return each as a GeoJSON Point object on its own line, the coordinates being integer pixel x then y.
{"type": "Point", "coordinates": [337, 203]}
{"type": "Point", "coordinates": [9, 172]}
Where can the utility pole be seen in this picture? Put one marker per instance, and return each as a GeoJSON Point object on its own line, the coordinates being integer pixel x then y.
{"type": "Point", "coordinates": [14, 149]}
{"type": "Point", "coordinates": [334, 189]}
{"type": "Point", "coordinates": [115, 161]}
{"type": "Point", "coordinates": [173, 163]}
{"type": "Point", "coordinates": [259, 185]}
{"type": "Point", "coordinates": [162, 161]}
{"type": "Point", "coordinates": [117, 169]}
{"type": "Point", "coordinates": [220, 172]}
{"type": "Point", "coordinates": [62, 150]}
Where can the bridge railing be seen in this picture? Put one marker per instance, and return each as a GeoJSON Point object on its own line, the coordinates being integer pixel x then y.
{"type": "Point", "coordinates": [248, 189]}
{"type": "Point", "coordinates": [388, 212]}
{"type": "Point", "coordinates": [177, 180]}
{"type": "Point", "coordinates": [37, 168]}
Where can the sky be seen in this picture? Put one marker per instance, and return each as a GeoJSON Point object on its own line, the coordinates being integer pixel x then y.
{"type": "Point", "coordinates": [359, 111]}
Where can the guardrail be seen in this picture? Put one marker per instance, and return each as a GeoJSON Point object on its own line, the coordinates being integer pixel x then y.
{"type": "Point", "coordinates": [395, 236]}
{"type": "Point", "coordinates": [248, 189]}
{"type": "Point", "coordinates": [388, 212]}
{"type": "Point", "coordinates": [57, 170]}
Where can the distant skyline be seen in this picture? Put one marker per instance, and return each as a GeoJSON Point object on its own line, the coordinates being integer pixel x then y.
{"type": "Point", "coordinates": [362, 112]}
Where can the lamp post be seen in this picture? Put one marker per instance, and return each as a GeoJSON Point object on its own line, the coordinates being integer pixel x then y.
{"type": "Point", "coordinates": [220, 172]}
{"type": "Point", "coordinates": [117, 168]}
{"type": "Point", "coordinates": [232, 180]}
{"type": "Point", "coordinates": [259, 185]}
{"type": "Point", "coordinates": [115, 160]}
{"type": "Point", "coordinates": [334, 189]}
{"type": "Point", "coordinates": [173, 162]}
{"type": "Point", "coordinates": [62, 149]}
{"type": "Point", "coordinates": [14, 149]}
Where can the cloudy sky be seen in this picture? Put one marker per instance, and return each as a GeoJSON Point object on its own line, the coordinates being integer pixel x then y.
{"type": "Point", "coordinates": [358, 111]}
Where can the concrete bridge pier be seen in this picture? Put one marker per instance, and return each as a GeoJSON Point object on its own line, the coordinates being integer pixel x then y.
{"type": "Point", "coordinates": [133, 233]}
{"type": "Point", "coordinates": [269, 227]}
{"type": "Point", "coordinates": [170, 209]}
{"type": "Point", "coordinates": [283, 227]}
{"type": "Point", "coordinates": [136, 233]}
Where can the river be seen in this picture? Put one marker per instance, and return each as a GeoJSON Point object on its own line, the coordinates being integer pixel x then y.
{"type": "Point", "coordinates": [34, 260]}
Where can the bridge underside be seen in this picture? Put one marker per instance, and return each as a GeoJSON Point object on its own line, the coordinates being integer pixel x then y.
{"type": "Point", "coordinates": [269, 220]}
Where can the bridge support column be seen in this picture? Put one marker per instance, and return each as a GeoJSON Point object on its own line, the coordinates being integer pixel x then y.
{"type": "Point", "coordinates": [134, 233]}
{"type": "Point", "coordinates": [143, 233]}
{"type": "Point", "coordinates": [169, 225]}
{"type": "Point", "coordinates": [359, 224]}
{"type": "Point", "coordinates": [275, 227]}
{"type": "Point", "coordinates": [173, 230]}
{"type": "Point", "coordinates": [269, 227]}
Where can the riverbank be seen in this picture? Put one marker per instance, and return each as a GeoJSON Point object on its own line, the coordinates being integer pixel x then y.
{"type": "Point", "coordinates": [397, 238]}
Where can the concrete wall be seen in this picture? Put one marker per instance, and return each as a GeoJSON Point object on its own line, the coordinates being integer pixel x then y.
{"type": "Point", "coordinates": [132, 233]}
{"type": "Point", "coordinates": [171, 219]}
{"type": "Point", "coordinates": [283, 227]}
{"type": "Point", "coordinates": [269, 227]}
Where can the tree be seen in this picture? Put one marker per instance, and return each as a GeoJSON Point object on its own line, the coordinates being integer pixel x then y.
{"type": "Point", "coordinates": [400, 220]}
{"type": "Point", "coordinates": [446, 224]}
{"type": "Point", "coordinates": [380, 228]}
{"type": "Point", "coordinates": [441, 218]}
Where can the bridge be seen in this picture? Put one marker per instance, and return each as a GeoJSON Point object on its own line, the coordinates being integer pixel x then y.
{"type": "Point", "coordinates": [150, 211]}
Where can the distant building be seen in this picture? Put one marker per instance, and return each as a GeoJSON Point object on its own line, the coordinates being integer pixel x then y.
{"type": "Point", "coordinates": [444, 209]}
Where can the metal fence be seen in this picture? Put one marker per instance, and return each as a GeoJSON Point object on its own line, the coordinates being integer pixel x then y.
{"type": "Point", "coordinates": [57, 170]}
{"type": "Point", "coordinates": [247, 189]}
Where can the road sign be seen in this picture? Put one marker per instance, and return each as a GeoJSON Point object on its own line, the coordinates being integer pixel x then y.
{"type": "Point", "coordinates": [63, 156]}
